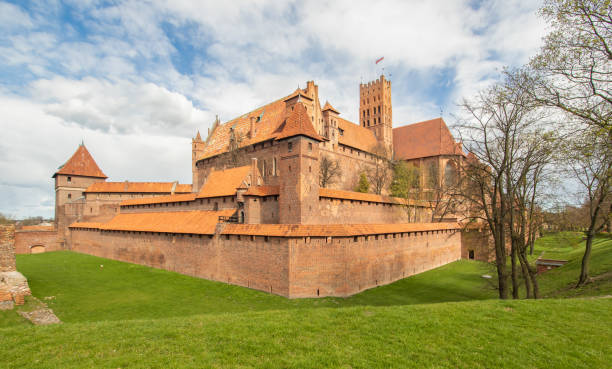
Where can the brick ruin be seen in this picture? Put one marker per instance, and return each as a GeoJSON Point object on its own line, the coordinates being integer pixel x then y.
{"type": "Point", "coordinates": [13, 285]}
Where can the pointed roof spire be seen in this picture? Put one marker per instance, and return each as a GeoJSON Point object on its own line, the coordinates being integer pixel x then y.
{"type": "Point", "coordinates": [81, 163]}
{"type": "Point", "coordinates": [329, 107]}
{"type": "Point", "coordinates": [198, 137]}
{"type": "Point", "coordinates": [298, 124]}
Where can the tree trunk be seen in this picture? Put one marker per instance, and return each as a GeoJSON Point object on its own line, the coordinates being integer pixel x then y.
{"type": "Point", "coordinates": [515, 282]}
{"type": "Point", "coordinates": [526, 277]}
{"type": "Point", "coordinates": [584, 271]}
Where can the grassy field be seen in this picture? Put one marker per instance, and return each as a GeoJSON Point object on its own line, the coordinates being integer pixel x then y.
{"type": "Point", "coordinates": [126, 315]}
{"type": "Point", "coordinates": [570, 333]}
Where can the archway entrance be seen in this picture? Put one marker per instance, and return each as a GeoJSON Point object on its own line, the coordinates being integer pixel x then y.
{"type": "Point", "coordinates": [37, 249]}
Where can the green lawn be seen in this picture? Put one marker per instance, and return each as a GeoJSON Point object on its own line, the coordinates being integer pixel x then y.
{"type": "Point", "coordinates": [569, 333]}
{"type": "Point", "coordinates": [128, 316]}
{"type": "Point", "coordinates": [79, 290]}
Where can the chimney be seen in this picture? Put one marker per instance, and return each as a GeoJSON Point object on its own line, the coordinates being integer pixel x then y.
{"type": "Point", "coordinates": [253, 171]}
{"type": "Point", "coordinates": [173, 187]}
{"type": "Point", "coordinates": [126, 184]}
{"type": "Point", "coordinates": [252, 128]}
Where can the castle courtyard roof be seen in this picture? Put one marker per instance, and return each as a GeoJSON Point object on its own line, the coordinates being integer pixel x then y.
{"type": "Point", "coordinates": [424, 139]}
{"type": "Point", "coordinates": [81, 163]}
{"type": "Point", "coordinates": [225, 182]}
{"type": "Point", "coordinates": [138, 187]}
{"type": "Point", "coordinates": [185, 222]}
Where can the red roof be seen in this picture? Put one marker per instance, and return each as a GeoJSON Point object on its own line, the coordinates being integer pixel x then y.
{"type": "Point", "coordinates": [298, 124]}
{"type": "Point", "coordinates": [332, 230]}
{"type": "Point", "coordinates": [328, 106]}
{"type": "Point", "coordinates": [225, 182]}
{"type": "Point", "coordinates": [81, 163]}
{"type": "Point", "coordinates": [138, 187]}
{"type": "Point", "coordinates": [356, 136]}
{"type": "Point", "coordinates": [187, 222]}
{"type": "Point", "coordinates": [424, 139]}
{"type": "Point", "coordinates": [262, 191]}
{"type": "Point", "coordinates": [370, 197]}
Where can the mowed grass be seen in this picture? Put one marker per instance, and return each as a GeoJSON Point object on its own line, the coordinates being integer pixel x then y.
{"type": "Point", "coordinates": [569, 333]}
{"type": "Point", "coordinates": [84, 288]}
{"type": "Point", "coordinates": [560, 282]}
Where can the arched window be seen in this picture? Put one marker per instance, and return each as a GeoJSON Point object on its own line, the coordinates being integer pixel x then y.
{"type": "Point", "coordinates": [450, 174]}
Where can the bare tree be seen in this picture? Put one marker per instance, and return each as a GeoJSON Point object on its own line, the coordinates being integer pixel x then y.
{"type": "Point", "coordinates": [379, 173]}
{"type": "Point", "coordinates": [492, 128]}
{"type": "Point", "coordinates": [329, 171]}
{"type": "Point", "coordinates": [590, 157]}
{"type": "Point", "coordinates": [574, 67]}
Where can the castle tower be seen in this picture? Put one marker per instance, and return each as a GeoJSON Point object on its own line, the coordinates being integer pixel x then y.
{"type": "Point", "coordinates": [197, 148]}
{"type": "Point", "coordinates": [298, 199]}
{"type": "Point", "coordinates": [330, 123]}
{"type": "Point", "coordinates": [375, 111]}
{"type": "Point", "coordinates": [71, 181]}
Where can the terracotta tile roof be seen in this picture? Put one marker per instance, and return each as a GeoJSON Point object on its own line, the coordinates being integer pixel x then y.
{"type": "Point", "coordinates": [331, 230]}
{"type": "Point", "coordinates": [420, 140]}
{"type": "Point", "coordinates": [356, 136]}
{"type": "Point", "coordinates": [138, 187]}
{"type": "Point", "coordinates": [298, 124]}
{"type": "Point", "coordinates": [360, 196]}
{"type": "Point", "coordinates": [224, 182]}
{"type": "Point", "coordinates": [192, 222]}
{"type": "Point", "coordinates": [81, 163]}
{"type": "Point", "coordinates": [37, 228]}
{"type": "Point", "coordinates": [262, 191]}
{"type": "Point", "coordinates": [270, 116]}
{"type": "Point", "coordinates": [160, 199]}
{"type": "Point", "coordinates": [93, 225]}
{"type": "Point", "coordinates": [328, 106]}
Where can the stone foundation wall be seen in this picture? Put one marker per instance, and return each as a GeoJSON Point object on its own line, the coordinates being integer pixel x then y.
{"type": "Point", "coordinates": [290, 267]}
{"type": "Point", "coordinates": [477, 243]}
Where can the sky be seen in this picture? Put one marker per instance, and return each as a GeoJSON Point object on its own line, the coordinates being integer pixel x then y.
{"type": "Point", "coordinates": [135, 81]}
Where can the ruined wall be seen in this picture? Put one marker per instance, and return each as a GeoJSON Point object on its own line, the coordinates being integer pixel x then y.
{"type": "Point", "coordinates": [7, 254]}
{"type": "Point", "coordinates": [36, 241]}
{"type": "Point", "coordinates": [13, 285]}
{"type": "Point", "coordinates": [345, 266]}
{"type": "Point", "coordinates": [291, 267]}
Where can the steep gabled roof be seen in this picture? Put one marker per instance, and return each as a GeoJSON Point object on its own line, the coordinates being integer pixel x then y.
{"type": "Point", "coordinates": [356, 136]}
{"type": "Point", "coordinates": [225, 182]}
{"type": "Point", "coordinates": [424, 139]}
{"type": "Point", "coordinates": [328, 106]}
{"type": "Point", "coordinates": [81, 163]}
{"type": "Point", "coordinates": [138, 187]}
{"type": "Point", "coordinates": [298, 124]}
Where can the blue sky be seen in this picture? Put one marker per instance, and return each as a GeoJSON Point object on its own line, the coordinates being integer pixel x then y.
{"type": "Point", "coordinates": [135, 80]}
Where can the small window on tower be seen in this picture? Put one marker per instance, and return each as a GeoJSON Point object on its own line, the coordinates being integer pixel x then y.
{"type": "Point", "coordinates": [290, 146]}
{"type": "Point", "coordinates": [69, 179]}
{"type": "Point", "coordinates": [69, 196]}
{"type": "Point", "coordinates": [310, 146]}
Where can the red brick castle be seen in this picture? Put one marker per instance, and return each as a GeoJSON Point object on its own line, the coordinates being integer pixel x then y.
{"type": "Point", "coordinates": [257, 214]}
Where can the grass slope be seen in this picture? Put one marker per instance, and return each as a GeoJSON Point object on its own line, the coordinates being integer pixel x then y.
{"type": "Point", "coordinates": [81, 290]}
{"type": "Point", "coordinates": [570, 333]}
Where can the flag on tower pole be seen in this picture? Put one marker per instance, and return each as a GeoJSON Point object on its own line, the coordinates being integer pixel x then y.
{"type": "Point", "coordinates": [379, 60]}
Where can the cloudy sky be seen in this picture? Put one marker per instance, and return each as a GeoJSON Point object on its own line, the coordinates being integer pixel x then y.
{"type": "Point", "coordinates": [135, 80]}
